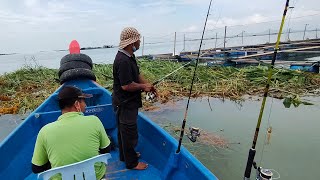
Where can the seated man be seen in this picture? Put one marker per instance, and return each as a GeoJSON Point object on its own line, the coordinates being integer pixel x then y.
{"type": "Point", "coordinates": [72, 138]}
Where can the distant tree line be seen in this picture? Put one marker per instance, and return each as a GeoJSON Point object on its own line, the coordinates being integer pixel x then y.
{"type": "Point", "coordinates": [103, 47]}
{"type": "Point", "coordinates": [7, 54]}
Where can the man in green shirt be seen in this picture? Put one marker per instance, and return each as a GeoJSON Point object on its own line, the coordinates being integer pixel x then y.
{"type": "Point", "coordinates": [72, 138]}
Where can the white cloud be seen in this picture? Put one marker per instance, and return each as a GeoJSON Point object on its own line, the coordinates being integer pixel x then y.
{"type": "Point", "coordinates": [192, 28]}
{"type": "Point", "coordinates": [98, 21]}
{"type": "Point", "coordinates": [30, 3]}
{"type": "Point", "coordinates": [255, 18]}
{"type": "Point", "coordinates": [221, 22]}
{"type": "Point", "coordinates": [153, 4]}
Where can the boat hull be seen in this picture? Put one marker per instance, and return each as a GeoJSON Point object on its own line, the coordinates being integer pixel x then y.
{"type": "Point", "coordinates": [156, 145]}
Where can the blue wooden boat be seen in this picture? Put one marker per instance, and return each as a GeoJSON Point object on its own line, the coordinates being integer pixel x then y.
{"type": "Point", "coordinates": [156, 145]}
{"type": "Point", "coordinates": [309, 67]}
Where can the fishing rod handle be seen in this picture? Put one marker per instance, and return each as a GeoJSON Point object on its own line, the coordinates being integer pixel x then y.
{"type": "Point", "coordinates": [251, 155]}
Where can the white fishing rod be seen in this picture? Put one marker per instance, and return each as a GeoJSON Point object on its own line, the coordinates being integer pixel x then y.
{"type": "Point", "coordinates": [151, 95]}
{"type": "Point", "coordinates": [164, 77]}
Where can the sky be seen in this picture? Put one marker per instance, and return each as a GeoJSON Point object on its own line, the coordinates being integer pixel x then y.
{"type": "Point", "coordinates": [40, 25]}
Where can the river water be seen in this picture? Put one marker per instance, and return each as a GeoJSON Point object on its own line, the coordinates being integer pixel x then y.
{"type": "Point", "coordinates": [295, 138]}
{"type": "Point", "coordinates": [294, 142]}
{"type": "Point", "coordinates": [51, 59]}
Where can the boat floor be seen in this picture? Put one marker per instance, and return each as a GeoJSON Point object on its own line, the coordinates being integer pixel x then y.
{"type": "Point", "coordinates": [116, 170]}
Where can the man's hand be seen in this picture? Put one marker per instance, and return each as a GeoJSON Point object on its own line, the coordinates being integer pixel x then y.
{"type": "Point", "coordinates": [147, 87]}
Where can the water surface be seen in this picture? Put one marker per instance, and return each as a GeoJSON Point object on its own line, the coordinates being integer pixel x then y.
{"type": "Point", "coordinates": [294, 143]}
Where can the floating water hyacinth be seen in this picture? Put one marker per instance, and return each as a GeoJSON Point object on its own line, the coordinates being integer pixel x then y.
{"type": "Point", "coordinates": [295, 101]}
{"type": "Point", "coordinates": [28, 87]}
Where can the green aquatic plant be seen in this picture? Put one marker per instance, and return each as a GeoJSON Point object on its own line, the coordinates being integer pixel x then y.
{"type": "Point", "coordinates": [28, 87]}
{"type": "Point", "coordinates": [295, 100]}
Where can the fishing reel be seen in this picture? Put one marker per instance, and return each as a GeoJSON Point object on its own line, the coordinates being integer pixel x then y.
{"type": "Point", "coordinates": [263, 174]}
{"type": "Point", "coordinates": [151, 96]}
{"type": "Point", "coordinates": [193, 133]}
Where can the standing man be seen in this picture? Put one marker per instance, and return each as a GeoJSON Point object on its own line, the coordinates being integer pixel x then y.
{"type": "Point", "coordinates": [72, 138]}
{"type": "Point", "coordinates": [127, 86]}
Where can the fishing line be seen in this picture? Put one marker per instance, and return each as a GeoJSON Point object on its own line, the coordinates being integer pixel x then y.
{"type": "Point", "coordinates": [289, 18]}
{"type": "Point", "coordinates": [208, 100]}
{"type": "Point", "coordinates": [193, 78]}
{"type": "Point", "coordinates": [252, 151]}
{"type": "Point", "coordinates": [277, 173]}
{"type": "Point", "coordinates": [215, 26]}
{"type": "Point", "coordinates": [268, 125]}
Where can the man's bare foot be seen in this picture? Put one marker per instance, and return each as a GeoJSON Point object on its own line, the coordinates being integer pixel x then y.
{"type": "Point", "coordinates": [141, 166]}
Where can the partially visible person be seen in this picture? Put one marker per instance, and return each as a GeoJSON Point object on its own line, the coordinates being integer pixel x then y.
{"type": "Point", "coordinates": [128, 83]}
{"type": "Point", "coordinates": [72, 138]}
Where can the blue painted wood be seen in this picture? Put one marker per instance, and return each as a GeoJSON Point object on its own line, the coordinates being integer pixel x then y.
{"type": "Point", "coordinates": [305, 67]}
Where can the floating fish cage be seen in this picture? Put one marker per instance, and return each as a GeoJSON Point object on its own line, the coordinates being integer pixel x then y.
{"type": "Point", "coordinates": [309, 67]}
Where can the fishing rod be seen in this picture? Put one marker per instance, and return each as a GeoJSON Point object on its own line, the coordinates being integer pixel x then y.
{"type": "Point", "coordinates": [151, 95]}
{"type": "Point", "coordinates": [164, 77]}
{"type": "Point", "coordinates": [263, 173]}
{"type": "Point", "coordinates": [193, 78]}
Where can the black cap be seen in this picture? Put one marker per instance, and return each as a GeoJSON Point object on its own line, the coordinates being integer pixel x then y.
{"type": "Point", "coordinates": [68, 92]}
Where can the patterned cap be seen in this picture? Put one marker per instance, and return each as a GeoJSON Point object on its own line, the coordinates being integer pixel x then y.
{"type": "Point", "coordinates": [68, 92]}
{"type": "Point", "coordinates": [128, 36]}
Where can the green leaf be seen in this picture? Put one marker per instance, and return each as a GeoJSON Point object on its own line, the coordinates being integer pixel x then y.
{"type": "Point", "coordinates": [287, 102]}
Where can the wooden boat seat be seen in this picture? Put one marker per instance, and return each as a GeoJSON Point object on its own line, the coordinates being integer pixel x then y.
{"type": "Point", "coordinates": [82, 170]}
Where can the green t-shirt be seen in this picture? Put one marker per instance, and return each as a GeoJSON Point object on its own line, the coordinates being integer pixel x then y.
{"type": "Point", "coordinates": [70, 139]}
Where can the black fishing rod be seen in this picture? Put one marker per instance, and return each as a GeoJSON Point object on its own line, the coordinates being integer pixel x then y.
{"type": "Point", "coordinates": [252, 151]}
{"type": "Point", "coordinates": [193, 78]}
